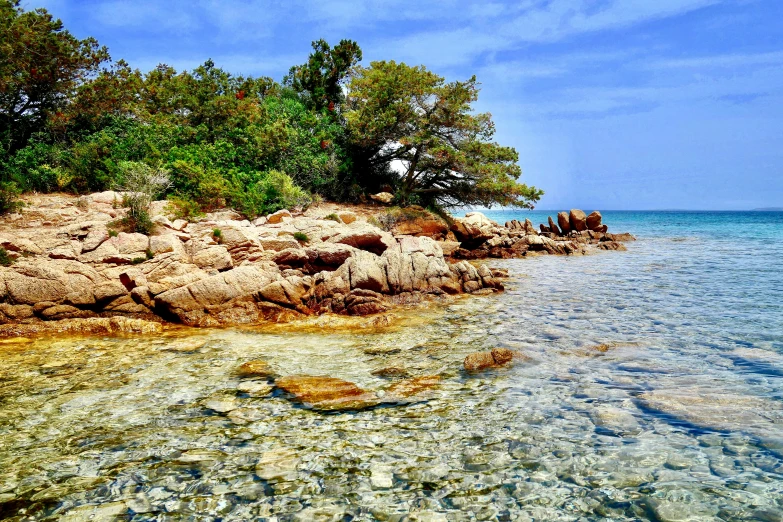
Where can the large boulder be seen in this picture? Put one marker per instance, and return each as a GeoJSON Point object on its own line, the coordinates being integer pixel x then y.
{"type": "Point", "coordinates": [224, 298]}
{"type": "Point", "coordinates": [278, 217]}
{"type": "Point", "coordinates": [578, 220]}
{"type": "Point", "coordinates": [474, 229]}
{"type": "Point", "coordinates": [424, 224]}
{"type": "Point", "coordinates": [594, 220]}
{"type": "Point", "coordinates": [383, 197]}
{"type": "Point", "coordinates": [364, 236]}
{"type": "Point", "coordinates": [564, 221]}
{"type": "Point", "coordinates": [553, 228]}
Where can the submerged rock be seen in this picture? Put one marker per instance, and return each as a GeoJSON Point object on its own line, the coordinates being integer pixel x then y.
{"type": "Point", "coordinates": [90, 326]}
{"type": "Point", "coordinates": [324, 393]}
{"type": "Point", "coordinates": [496, 358]}
{"type": "Point", "coordinates": [391, 372]}
{"type": "Point", "coordinates": [256, 368]}
{"type": "Point", "coordinates": [415, 389]}
{"type": "Point", "coordinates": [277, 465]}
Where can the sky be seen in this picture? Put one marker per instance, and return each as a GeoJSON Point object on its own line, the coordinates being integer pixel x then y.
{"type": "Point", "coordinates": [611, 104]}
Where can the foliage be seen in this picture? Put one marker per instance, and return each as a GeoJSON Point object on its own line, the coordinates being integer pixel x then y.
{"type": "Point", "coordinates": [333, 217]}
{"type": "Point", "coordinates": [41, 66]}
{"type": "Point", "coordinates": [273, 191]}
{"type": "Point", "coordinates": [140, 185]}
{"type": "Point", "coordinates": [409, 114]}
{"type": "Point", "coordinates": [320, 79]}
{"type": "Point", "coordinates": [9, 197]}
{"type": "Point", "coordinates": [183, 208]}
{"type": "Point", "coordinates": [217, 234]}
{"type": "Point", "coordinates": [72, 120]}
{"type": "Point", "coordinates": [5, 259]}
{"type": "Point", "coordinates": [301, 236]}
{"type": "Point", "coordinates": [112, 233]}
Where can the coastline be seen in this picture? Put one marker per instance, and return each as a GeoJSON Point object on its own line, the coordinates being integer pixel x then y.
{"type": "Point", "coordinates": [73, 272]}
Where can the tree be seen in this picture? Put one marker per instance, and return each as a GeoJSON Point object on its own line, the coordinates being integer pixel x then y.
{"type": "Point", "coordinates": [41, 65]}
{"type": "Point", "coordinates": [321, 78]}
{"type": "Point", "coordinates": [398, 113]}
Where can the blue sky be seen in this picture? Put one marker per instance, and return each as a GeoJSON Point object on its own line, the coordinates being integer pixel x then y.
{"type": "Point", "coordinates": [612, 104]}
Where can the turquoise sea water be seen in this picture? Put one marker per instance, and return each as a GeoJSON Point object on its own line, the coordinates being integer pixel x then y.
{"type": "Point", "coordinates": [653, 391]}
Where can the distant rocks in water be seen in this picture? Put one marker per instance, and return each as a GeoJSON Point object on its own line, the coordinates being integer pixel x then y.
{"type": "Point", "coordinates": [578, 220]}
{"type": "Point", "coordinates": [479, 361]}
{"type": "Point", "coordinates": [571, 234]}
{"type": "Point", "coordinates": [564, 221]}
{"type": "Point", "coordinates": [593, 221]}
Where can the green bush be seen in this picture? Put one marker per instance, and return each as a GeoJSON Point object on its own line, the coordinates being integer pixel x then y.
{"type": "Point", "coordinates": [218, 235]}
{"type": "Point", "coordinates": [274, 191]}
{"type": "Point", "coordinates": [112, 233]}
{"type": "Point", "coordinates": [333, 217]}
{"type": "Point", "coordinates": [198, 187]}
{"type": "Point", "coordinates": [9, 197]}
{"type": "Point", "coordinates": [141, 184]}
{"type": "Point", "coordinates": [301, 236]}
{"type": "Point", "coordinates": [184, 208]}
{"type": "Point", "coordinates": [5, 259]}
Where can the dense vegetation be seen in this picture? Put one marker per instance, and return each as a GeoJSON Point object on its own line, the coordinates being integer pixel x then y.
{"type": "Point", "coordinates": [73, 120]}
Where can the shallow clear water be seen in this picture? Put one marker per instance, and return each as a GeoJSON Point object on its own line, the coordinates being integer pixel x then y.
{"type": "Point", "coordinates": [678, 417]}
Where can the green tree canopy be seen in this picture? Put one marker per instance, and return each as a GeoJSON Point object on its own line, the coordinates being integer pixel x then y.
{"type": "Point", "coordinates": [321, 78]}
{"type": "Point", "coordinates": [398, 113]}
{"type": "Point", "coordinates": [41, 66]}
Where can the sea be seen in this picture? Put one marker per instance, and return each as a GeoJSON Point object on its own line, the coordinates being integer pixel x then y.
{"type": "Point", "coordinates": [651, 388]}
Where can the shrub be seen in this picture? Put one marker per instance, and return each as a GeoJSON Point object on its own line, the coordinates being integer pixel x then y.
{"type": "Point", "coordinates": [275, 191]}
{"type": "Point", "coordinates": [9, 194]}
{"type": "Point", "coordinates": [112, 232]}
{"type": "Point", "coordinates": [218, 235]}
{"type": "Point", "coordinates": [333, 217]}
{"type": "Point", "coordinates": [137, 260]}
{"type": "Point", "coordinates": [198, 188]}
{"type": "Point", "coordinates": [184, 208]}
{"type": "Point", "coordinates": [148, 253]}
{"type": "Point", "coordinates": [301, 236]}
{"type": "Point", "coordinates": [5, 259]}
{"type": "Point", "coordinates": [141, 184]}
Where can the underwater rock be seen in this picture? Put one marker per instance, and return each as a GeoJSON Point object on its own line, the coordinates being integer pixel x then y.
{"type": "Point", "coordinates": [496, 358]}
{"type": "Point", "coordinates": [323, 393]}
{"type": "Point", "coordinates": [256, 368]}
{"type": "Point", "coordinates": [414, 389]}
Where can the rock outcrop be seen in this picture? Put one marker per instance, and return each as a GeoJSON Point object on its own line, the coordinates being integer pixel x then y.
{"type": "Point", "coordinates": [573, 233]}
{"type": "Point", "coordinates": [222, 270]}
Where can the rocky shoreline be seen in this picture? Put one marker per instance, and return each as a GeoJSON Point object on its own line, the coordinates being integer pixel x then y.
{"type": "Point", "coordinates": [72, 271]}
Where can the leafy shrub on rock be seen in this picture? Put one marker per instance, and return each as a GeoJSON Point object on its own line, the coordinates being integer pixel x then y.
{"type": "Point", "coordinates": [9, 194]}
{"type": "Point", "coordinates": [275, 191]}
{"type": "Point", "coordinates": [141, 184]}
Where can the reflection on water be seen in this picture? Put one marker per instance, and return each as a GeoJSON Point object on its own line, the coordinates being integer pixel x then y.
{"type": "Point", "coordinates": [654, 392]}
